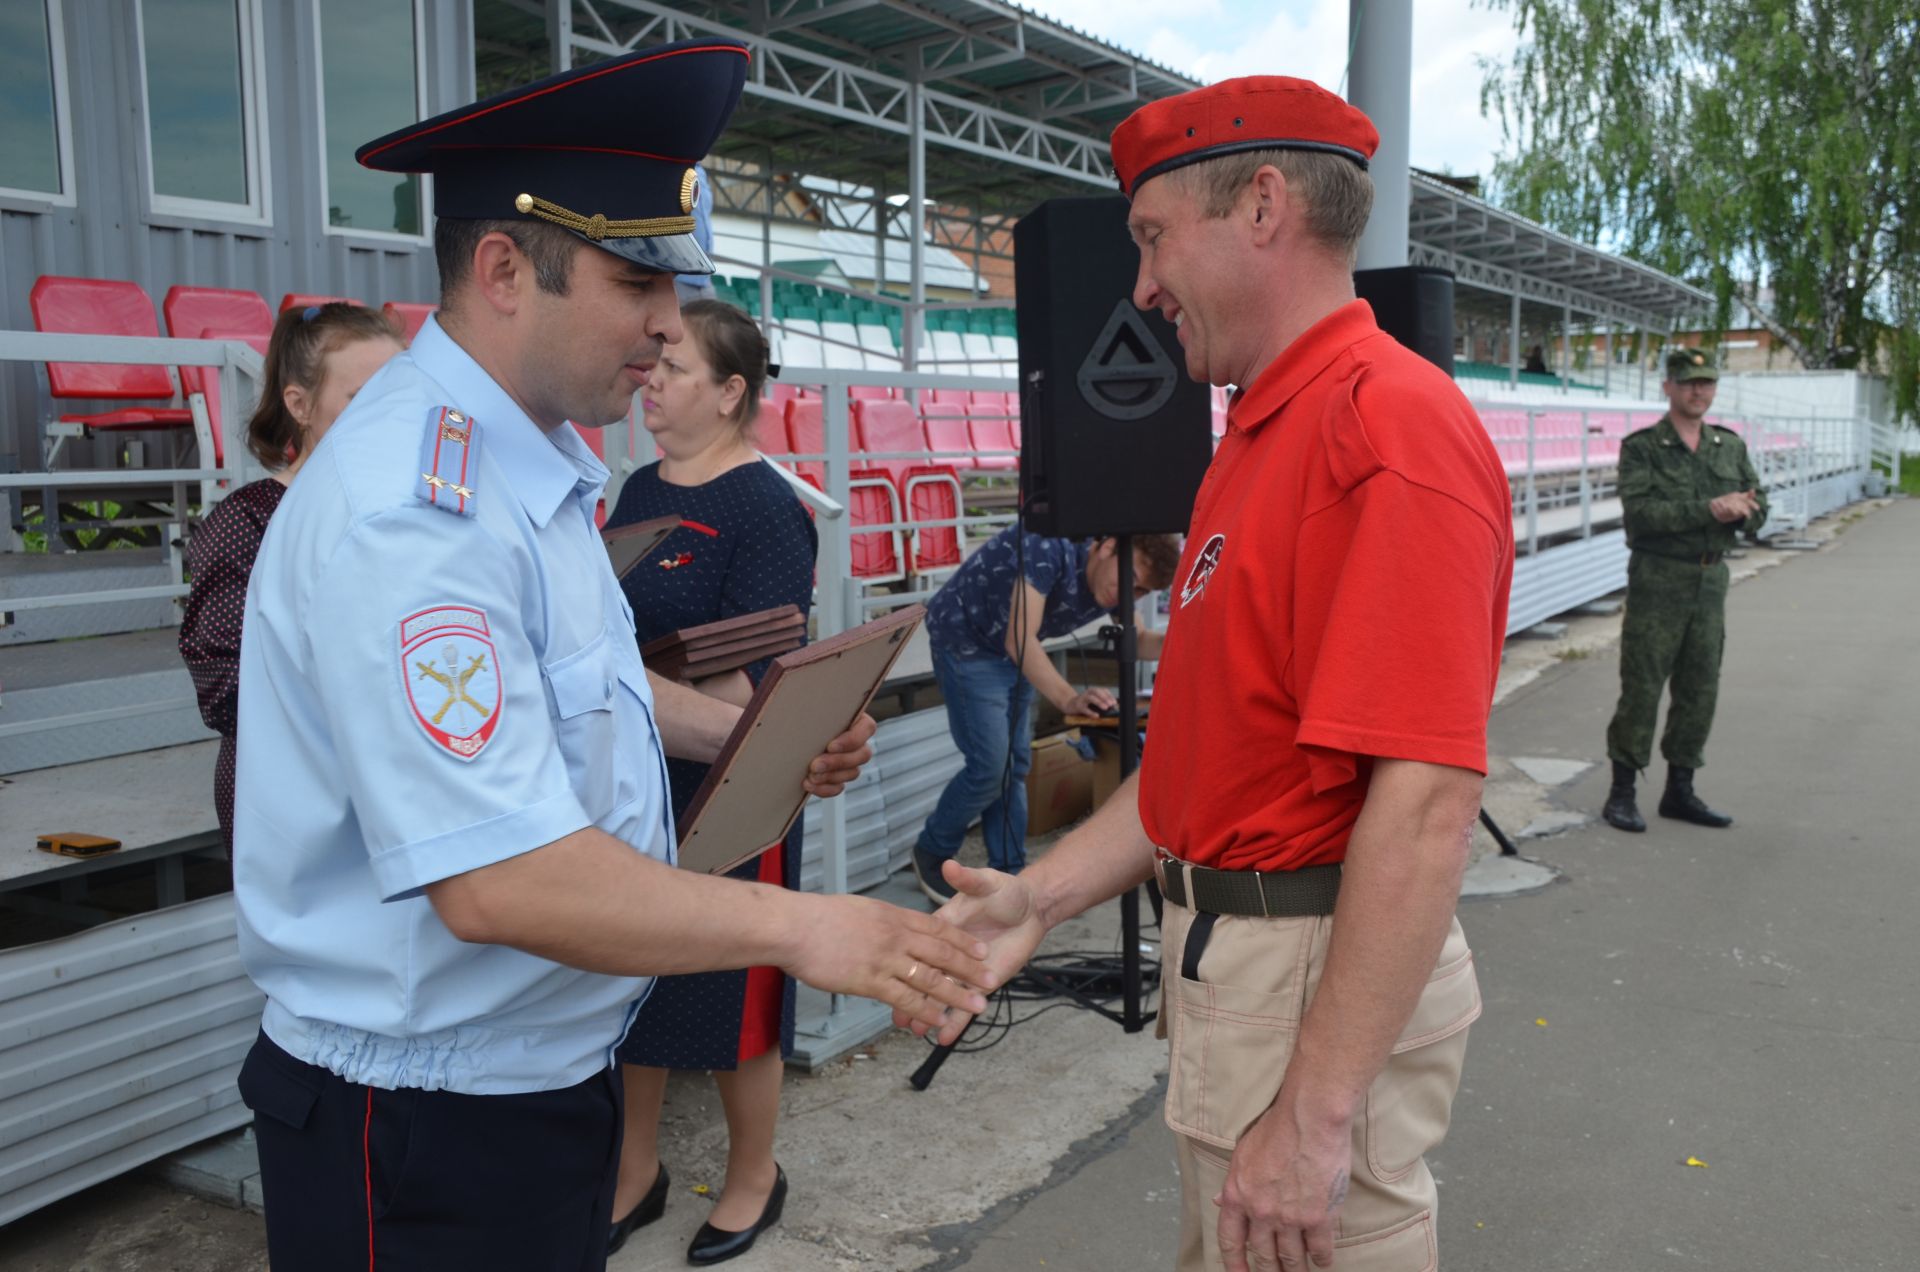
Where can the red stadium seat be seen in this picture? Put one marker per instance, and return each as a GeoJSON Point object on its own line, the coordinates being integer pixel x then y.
{"type": "Point", "coordinates": [214, 313]}
{"type": "Point", "coordinates": [872, 501]}
{"type": "Point", "coordinates": [408, 316]}
{"type": "Point", "coordinates": [863, 392]}
{"type": "Point", "coordinates": [299, 300]}
{"type": "Point", "coordinates": [103, 307]}
{"type": "Point", "coordinates": [929, 491]}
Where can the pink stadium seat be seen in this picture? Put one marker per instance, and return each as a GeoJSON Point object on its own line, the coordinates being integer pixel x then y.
{"type": "Point", "coordinates": [770, 429]}
{"type": "Point", "coordinates": [104, 307]}
{"type": "Point", "coordinates": [863, 392]}
{"type": "Point", "coordinates": [994, 433]}
{"type": "Point", "coordinates": [780, 393]}
{"type": "Point", "coordinates": [408, 316]}
{"type": "Point", "coordinates": [943, 397]}
{"type": "Point", "coordinates": [872, 501]}
{"type": "Point", "coordinates": [929, 491]}
{"type": "Point", "coordinates": [300, 300]}
{"type": "Point", "coordinates": [949, 433]}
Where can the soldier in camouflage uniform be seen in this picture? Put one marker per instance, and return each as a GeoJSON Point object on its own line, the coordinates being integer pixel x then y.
{"type": "Point", "coordinates": [1687, 489]}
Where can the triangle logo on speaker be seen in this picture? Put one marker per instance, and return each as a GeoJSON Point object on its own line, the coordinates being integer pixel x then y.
{"type": "Point", "coordinates": [1126, 375]}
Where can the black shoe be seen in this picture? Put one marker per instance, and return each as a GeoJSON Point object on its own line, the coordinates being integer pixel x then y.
{"type": "Point", "coordinates": [1621, 812]}
{"type": "Point", "coordinates": [926, 869]}
{"type": "Point", "coordinates": [651, 1207]}
{"type": "Point", "coordinates": [1680, 803]}
{"type": "Point", "coordinates": [713, 1245]}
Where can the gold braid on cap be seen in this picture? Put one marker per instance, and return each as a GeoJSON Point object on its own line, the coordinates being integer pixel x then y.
{"type": "Point", "coordinates": [597, 226]}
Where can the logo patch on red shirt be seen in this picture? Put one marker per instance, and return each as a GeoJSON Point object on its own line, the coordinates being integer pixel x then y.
{"type": "Point", "coordinates": [1203, 568]}
{"type": "Point", "coordinates": [452, 674]}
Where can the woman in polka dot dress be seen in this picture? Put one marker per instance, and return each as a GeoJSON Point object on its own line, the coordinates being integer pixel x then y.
{"type": "Point", "coordinates": [316, 361]}
{"type": "Point", "coordinates": [745, 544]}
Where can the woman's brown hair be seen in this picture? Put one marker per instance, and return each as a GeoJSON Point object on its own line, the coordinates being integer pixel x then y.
{"type": "Point", "coordinates": [732, 346]}
{"type": "Point", "coordinates": [297, 354]}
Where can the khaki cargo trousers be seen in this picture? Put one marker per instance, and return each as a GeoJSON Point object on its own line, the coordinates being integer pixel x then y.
{"type": "Point", "coordinates": [1231, 1029]}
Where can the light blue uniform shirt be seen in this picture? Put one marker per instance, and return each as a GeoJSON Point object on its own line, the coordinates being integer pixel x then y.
{"type": "Point", "coordinates": [423, 692]}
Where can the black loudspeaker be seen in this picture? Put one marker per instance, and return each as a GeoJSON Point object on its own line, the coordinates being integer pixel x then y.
{"type": "Point", "coordinates": [1414, 305]}
{"type": "Point", "coordinates": [1115, 436]}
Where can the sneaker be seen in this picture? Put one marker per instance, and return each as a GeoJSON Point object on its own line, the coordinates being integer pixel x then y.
{"type": "Point", "coordinates": [926, 869]}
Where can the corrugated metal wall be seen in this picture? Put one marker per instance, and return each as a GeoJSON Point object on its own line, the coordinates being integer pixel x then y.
{"type": "Point", "coordinates": [111, 233]}
{"type": "Point", "coordinates": [121, 1045]}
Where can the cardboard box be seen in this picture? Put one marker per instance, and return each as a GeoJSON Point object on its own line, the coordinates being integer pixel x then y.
{"type": "Point", "coordinates": [1106, 763]}
{"type": "Point", "coordinates": [1059, 785]}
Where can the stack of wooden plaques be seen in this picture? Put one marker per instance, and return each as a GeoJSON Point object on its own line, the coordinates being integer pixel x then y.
{"type": "Point", "coordinates": [694, 653]}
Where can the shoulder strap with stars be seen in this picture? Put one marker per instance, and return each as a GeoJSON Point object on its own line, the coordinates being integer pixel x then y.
{"type": "Point", "coordinates": [449, 460]}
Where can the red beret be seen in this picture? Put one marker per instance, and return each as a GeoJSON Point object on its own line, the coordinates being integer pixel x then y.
{"type": "Point", "coordinates": [1256, 112]}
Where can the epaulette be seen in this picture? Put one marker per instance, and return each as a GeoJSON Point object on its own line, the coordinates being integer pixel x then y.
{"type": "Point", "coordinates": [449, 458]}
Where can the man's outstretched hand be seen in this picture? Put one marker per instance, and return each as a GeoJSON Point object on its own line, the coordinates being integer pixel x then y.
{"type": "Point", "coordinates": [998, 909]}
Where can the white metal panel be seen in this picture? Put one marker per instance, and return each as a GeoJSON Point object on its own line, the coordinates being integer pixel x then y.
{"type": "Point", "coordinates": [122, 1045]}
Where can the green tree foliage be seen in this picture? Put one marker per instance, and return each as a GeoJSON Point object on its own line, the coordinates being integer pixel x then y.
{"type": "Point", "coordinates": [1769, 148]}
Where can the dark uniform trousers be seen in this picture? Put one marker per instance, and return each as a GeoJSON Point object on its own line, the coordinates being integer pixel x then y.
{"type": "Point", "coordinates": [362, 1177]}
{"type": "Point", "coordinates": [1674, 632]}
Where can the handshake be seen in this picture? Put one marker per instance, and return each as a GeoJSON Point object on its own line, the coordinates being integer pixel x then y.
{"type": "Point", "coordinates": [1734, 507]}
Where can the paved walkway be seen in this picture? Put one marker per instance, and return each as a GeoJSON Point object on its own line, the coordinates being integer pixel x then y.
{"type": "Point", "coordinates": [1747, 998]}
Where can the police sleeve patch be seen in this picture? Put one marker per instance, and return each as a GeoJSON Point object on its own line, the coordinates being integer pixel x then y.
{"type": "Point", "coordinates": [452, 676]}
{"type": "Point", "coordinates": [449, 459]}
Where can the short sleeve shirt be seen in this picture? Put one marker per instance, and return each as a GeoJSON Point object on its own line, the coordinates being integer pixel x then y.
{"type": "Point", "coordinates": [1342, 598]}
{"type": "Point", "coordinates": [967, 617]}
{"type": "Point", "coordinates": [425, 692]}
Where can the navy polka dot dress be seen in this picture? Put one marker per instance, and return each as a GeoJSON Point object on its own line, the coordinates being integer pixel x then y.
{"type": "Point", "coordinates": [220, 557]}
{"type": "Point", "coordinates": [746, 544]}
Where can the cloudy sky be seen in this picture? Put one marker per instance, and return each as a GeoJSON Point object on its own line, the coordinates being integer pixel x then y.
{"type": "Point", "coordinates": [1216, 39]}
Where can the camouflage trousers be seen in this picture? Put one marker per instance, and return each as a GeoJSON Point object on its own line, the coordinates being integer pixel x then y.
{"type": "Point", "coordinates": [1675, 630]}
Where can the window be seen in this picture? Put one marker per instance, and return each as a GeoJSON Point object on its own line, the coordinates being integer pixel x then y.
{"type": "Point", "coordinates": [35, 151]}
{"type": "Point", "coordinates": [204, 121]}
{"type": "Point", "coordinates": [370, 81]}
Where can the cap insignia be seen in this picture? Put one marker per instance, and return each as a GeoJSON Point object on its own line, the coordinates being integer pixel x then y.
{"type": "Point", "coordinates": [689, 186]}
{"type": "Point", "coordinates": [599, 225]}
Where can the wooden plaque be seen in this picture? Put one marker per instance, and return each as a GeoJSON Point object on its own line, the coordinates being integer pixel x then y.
{"type": "Point", "coordinates": [753, 793]}
{"type": "Point", "coordinates": [781, 617]}
{"type": "Point", "coordinates": [628, 546]}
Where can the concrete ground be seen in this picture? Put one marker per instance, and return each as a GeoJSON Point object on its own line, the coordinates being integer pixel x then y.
{"type": "Point", "coordinates": [1745, 998]}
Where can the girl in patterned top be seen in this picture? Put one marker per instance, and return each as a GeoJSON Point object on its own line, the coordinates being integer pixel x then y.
{"type": "Point", "coordinates": [316, 361]}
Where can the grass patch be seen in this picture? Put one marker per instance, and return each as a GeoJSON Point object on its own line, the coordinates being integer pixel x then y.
{"type": "Point", "coordinates": [1910, 475]}
{"type": "Point", "coordinates": [1573, 654]}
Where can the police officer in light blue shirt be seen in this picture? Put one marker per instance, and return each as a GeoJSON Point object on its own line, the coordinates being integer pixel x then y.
{"type": "Point", "coordinates": [452, 846]}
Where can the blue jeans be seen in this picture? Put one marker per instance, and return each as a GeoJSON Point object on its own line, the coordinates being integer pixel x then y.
{"type": "Point", "coordinates": [988, 708]}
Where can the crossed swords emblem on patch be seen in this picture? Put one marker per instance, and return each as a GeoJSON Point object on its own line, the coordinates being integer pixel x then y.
{"type": "Point", "coordinates": [454, 681]}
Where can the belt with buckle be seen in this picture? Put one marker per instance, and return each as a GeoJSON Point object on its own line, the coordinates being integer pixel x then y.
{"type": "Point", "coordinates": [1277, 894]}
{"type": "Point", "coordinates": [1710, 558]}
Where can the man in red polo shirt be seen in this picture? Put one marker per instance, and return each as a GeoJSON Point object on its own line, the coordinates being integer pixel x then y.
{"type": "Point", "coordinates": [1318, 739]}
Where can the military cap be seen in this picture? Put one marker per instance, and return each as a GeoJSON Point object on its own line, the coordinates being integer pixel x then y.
{"type": "Point", "coordinates": [1690, 364]}
{"type": "Point", "coordinates": [606, 151]}
{"type": "Point", "coordinates": [1255, 112]}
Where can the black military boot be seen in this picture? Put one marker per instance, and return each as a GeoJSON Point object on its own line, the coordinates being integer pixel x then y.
{"type": "Point", "coordinates": [1680, 803]}
{"type": "Point", "coordinates": [1621, 812]}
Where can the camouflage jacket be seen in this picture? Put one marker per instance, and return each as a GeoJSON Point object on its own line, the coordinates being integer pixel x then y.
{"type": "Point", "coordinates": [1665, 490]}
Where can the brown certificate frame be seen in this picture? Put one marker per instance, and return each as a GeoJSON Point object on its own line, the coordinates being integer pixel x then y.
{"type": "Point", "coordinates": [753, 793]}
{"type": "Point", "coordinates": [628, 546]}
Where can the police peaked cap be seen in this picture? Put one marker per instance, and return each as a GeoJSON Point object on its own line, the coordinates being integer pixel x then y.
{"type": "Point", "coordinates": [605, 151]}
{"type": "Point", "coordinates": [1254, 112]}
